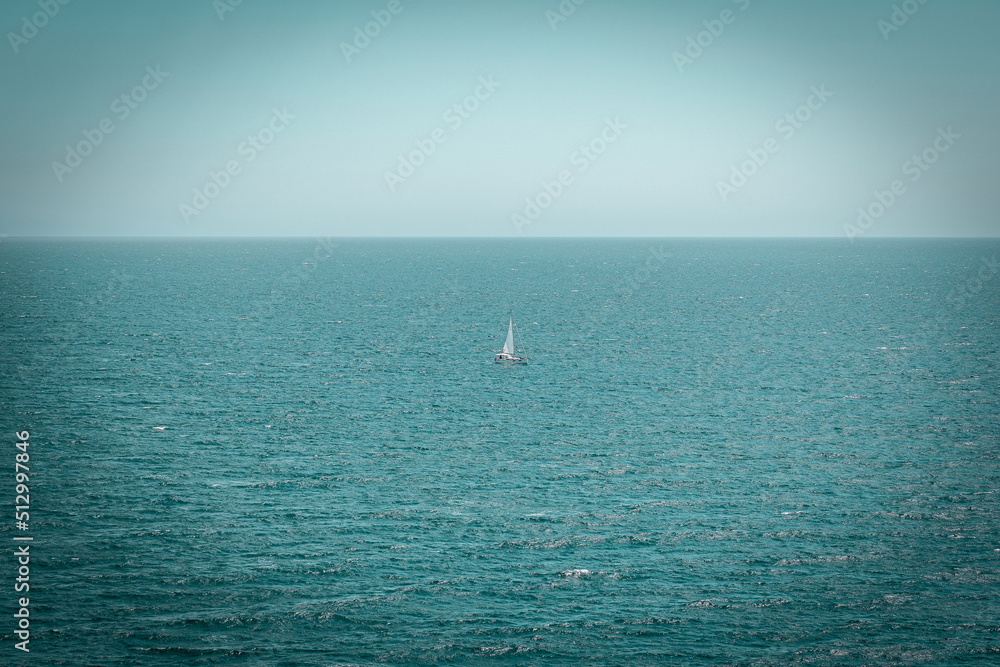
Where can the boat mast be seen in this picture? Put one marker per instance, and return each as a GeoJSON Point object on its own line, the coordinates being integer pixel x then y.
{"type": "Point", "coordinates": [523, 349]}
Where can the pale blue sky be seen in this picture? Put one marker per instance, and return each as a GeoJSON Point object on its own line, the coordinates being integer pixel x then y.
{"type": "Point", "coordinates": [673, 130]}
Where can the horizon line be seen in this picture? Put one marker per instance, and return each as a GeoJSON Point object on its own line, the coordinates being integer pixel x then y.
{"type": "Point", "coordinates": [6, 237]}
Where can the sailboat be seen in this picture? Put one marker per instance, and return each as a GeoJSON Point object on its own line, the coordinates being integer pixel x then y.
{"type": "Point", "coordinates": [508, 355]}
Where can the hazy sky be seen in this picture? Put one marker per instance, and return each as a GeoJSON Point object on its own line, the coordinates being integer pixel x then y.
{"type": "Point", "coordinates": [721, 118]}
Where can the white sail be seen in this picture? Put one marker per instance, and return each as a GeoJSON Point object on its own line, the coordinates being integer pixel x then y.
{"type": "Point", "coordinates": [508, 346]}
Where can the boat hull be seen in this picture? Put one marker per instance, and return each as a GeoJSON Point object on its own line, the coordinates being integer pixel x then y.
{"type": "Point", "coordinates": [508, 359]}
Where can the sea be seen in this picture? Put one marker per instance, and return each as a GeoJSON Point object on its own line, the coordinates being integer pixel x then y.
{"type": "Point", "coordinates": [300, 451]}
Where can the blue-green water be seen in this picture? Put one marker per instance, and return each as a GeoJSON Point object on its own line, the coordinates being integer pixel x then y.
{"type": "Point", "coordinates": [301, 453]}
